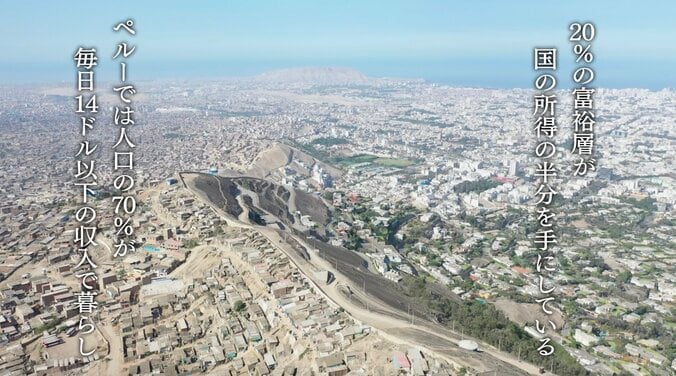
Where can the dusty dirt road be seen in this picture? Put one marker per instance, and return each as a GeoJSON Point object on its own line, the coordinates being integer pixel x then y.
{"type": "Point", "coordinates": [388, 320]}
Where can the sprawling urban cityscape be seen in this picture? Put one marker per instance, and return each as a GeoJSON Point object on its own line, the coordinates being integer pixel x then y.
{"type": "Point", "coordinates": [317, 221]}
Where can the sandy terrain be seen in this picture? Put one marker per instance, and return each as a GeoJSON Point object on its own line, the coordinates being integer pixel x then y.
{"type": "Point", "coordinates": [439, 340]}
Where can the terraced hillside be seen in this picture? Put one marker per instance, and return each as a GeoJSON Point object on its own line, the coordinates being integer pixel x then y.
{"type": "Point", "coordinates": [263, 202]}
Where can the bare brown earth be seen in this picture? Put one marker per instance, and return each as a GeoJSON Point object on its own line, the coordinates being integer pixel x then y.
{"type": "Point", "coordinates": [200, 260]}
{"type": "Point", "coordinates": [387, 309]}
{"type": "Point", "coordinates": [269, 160]}
{"type": "Point", "coordinates": [524, 313]}
{"type": "Point", "coordinates": [280, 155]}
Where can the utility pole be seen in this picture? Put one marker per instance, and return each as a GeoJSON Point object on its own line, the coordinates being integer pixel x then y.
{"type": "Point", "coordinates": [518, 354]}
{"type": "Point", "coordinates": [551, 365]}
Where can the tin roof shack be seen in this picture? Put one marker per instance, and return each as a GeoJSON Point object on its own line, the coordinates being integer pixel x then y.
{"type": "Point", "coordinates": [418, 363]}
{"type": "Point", "coordinates": [399, 361]}
{"type": "Point", "coordinates": [333, 365]}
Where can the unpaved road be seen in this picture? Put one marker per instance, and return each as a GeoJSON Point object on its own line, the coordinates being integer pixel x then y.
{"type": "Point", "coordinates": [392, 322]}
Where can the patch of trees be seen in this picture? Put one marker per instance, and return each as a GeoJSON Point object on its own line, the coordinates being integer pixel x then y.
{"type": "Point", "coordinates": [646, 204]}
{"type": "Point", "coordinates": [330, 141]}
{"type": "Point", "coordinates": [354, 242]}
{"type": "Point", "coordinates": [477, 186]}
{"type": "Point", "coordinates": [488, 324]}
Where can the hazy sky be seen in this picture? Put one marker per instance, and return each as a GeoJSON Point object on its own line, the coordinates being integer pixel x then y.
{"type": "Point", "coordinates": [474, 43]}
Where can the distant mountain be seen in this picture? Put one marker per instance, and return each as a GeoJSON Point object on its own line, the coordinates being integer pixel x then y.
{"type": "Point", "coordinates": [314, 75]}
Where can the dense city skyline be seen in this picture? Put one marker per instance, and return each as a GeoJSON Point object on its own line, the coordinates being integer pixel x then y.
{"type": "Point", "coordinates": [347, 189]}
